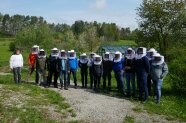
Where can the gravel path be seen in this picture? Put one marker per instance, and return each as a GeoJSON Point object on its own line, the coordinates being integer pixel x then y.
{"type": "Point", "coordinates": [94, 107]}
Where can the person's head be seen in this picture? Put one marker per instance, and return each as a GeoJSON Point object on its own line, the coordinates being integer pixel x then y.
{"type": "Point", "coordinates": [151, 52]}
{"type": "Point", "coordinates": [72, 53]}
{"type": "Point", "coordinates": [83, 56]}
{"type": "Point", "coordinates": [141, 50]}
{"type": "Point", "coordinates": [63, 53]}
{"type": "Point", "coordinates": [157, 58]}
{"type": "Point", "coordinates": [117, 55]}
{"type": "Point", "coordinates": [17, 51]}
{"type": "Point", "coordinates": [129, 51]}
{"type": "Point", "coordinates": [107, 55]}
{"type": "Point", "coordinates": [54, 52]}
{"type": "Point", "coordinates": [42, 52]}
{"type": "Point", "coordinates": [35, 49]}
{"type": "Point", "coordinates": [91, 55]}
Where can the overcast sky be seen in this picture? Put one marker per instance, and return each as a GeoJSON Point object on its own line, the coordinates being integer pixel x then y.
{"type": "Point", "coordinates": [121, 12]}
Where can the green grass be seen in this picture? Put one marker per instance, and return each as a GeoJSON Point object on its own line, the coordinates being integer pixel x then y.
{"type": "Point", "coordinates": [29, 103]}
{"type": "Point", "coordinates": [172, 105]}
{"type": "Point", "coordinates": [129, 119]}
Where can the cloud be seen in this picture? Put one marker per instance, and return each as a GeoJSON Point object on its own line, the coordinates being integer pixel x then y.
{"type": "Point", "coordinates": [100, 4]}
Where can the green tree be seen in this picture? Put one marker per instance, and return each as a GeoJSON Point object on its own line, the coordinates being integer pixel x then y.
{"type": "Point", "coordinates": [154, 19]}
{"type": "Point", "coordinates": [68, 41]}
{"type": "Point", "coordinates": [89, 41]}
{"type": "Point", "coordinates": [29, 36]}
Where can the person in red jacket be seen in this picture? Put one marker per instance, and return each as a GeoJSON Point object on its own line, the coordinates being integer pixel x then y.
{"type": "Point", "coordinates": [31, 62]}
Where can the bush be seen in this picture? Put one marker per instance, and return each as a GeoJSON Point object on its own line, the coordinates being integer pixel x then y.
{"type": "Point", "coordinates": [177, 68]}
{"type": "Point", "coordinates": [12, 46]}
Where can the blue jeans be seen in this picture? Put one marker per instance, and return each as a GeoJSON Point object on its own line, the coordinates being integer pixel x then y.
{"type": "Point", "coordinates": [63, 78]}
{"type": "Point", "coordinates": [142, 84]}
{"type": "Point", "coordinates": [17, 74]}
{"type": "Point", "coordinates": [130, 77]}
{"type": "Point", "coordinates": [158, 85]}
{"type": "Point", "coordinates": [120, 82]}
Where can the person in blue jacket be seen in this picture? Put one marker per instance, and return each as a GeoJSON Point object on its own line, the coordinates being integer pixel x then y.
{"type": "Point", "coordinates": [118, 67]}
{"type": "Point", "coordinates": [73, 64]}
{"type": "Point", "coordinates": [142, 68]}
{"type": "Point", "coordinates": [150, 54]}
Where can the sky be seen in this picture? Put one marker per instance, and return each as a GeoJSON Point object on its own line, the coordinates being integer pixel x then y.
{"type": "Point", "coordinates": [121, 12]}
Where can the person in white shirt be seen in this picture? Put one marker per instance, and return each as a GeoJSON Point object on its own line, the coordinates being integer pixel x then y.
{"type": "Point", "coordinates": [16, 63]}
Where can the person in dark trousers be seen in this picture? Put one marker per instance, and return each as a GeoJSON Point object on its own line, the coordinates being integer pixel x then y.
{"type": "Point", "coordinates": [73, 63]}
{"type": "Point", "coordinates": [107, 69]}
{"type": "Point", "coordinates": [54, 67]}
{"type": "Point", "coordinates": [64, 68]}
{"type": "Point", "coordinates": [83, 64]}
{"type": "Point", "coordinates": [130, 71]}
{"type": "Point", "coordinates": [41, 65]}
{"type": "Point", "coordinates": [118, 67]}
{"type": "Point", "coordinates": [97, 71]}
{"type": "Point", "coordinates": [90, 62]}
{"type": "Point", "coordinates": [150, 54]}
{"type": "Point", "coordinates": [16, 64]}
{"type": "Point", "coordinates": [142, 68]}
{"type": "Point", "coordinates": [159, 70]}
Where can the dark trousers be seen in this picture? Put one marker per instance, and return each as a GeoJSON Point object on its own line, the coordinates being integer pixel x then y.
{"type": "Point", "coordinates": [149, 84]}
{"type": "Point", "coordinates": [63, 78]}
{"type": "Point", "coordinates": [74, 77]}
{"type": "Point", "coordinates": [17, 74]}
{"type": "Point", "coordinates": [97, 80]}
{"type": "Point", "coordinates": [91, 77]}
{"type": "Point", "coordinates": [142, 84]}
{"type": "Point", "coordinates": [107, 75]}
{"type": "Point", "coordinates": [120, 82]}
{"type": "Point", "coordinates": [84, 78]}
{"type": "Point", "coordinates": [56, 75]}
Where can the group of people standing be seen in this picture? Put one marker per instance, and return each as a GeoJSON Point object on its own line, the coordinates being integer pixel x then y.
{"type": "Point", "coordinates": [148, 67]}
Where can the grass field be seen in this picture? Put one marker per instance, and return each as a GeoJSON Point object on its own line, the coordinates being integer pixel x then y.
{"type": "Point", "coordinates": [173, 105]}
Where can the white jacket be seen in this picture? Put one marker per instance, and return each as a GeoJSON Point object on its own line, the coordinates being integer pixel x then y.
{"type": "Point", "coordinates": [16, 61]}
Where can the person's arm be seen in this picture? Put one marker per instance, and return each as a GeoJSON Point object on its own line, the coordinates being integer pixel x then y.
{"type": "Point", "coordinates": [22, 61]}
{"type": "Point", "coordinates": [76, 64]}
{"type": "Point", "coordinates": [147, 64]}
{"type": "Point", "coordinates": [11, 62]}
{"type": "Point", "coordinates": [164, 71]}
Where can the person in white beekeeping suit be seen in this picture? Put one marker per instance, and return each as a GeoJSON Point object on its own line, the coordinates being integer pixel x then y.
{"type": "Point", "coordinates": [142, 68]}
{"type": "Point", "coordinates": [41, 66]}
{"type": "Point", "coordinates": [97, 71]}
{"type": "Point", "coordinates": [107, 69]}
{"type": "Point", "coordinates": [150, 54]}
{"type": "Point", "coordinates": [83, 64]}
{"type": "Point", "coordinates": [54, 66]}
{"type": "Point", "coordinates": [31, 62]}
{"type": "Point", "coordinates": [159, 70]}
{"type": "Point", "coordinates": [90, 62]}
{"type": "Point", "coordinates": [130, 71]}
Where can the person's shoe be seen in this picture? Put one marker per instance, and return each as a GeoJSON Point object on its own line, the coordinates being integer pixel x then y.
{"type": "Point", "coordinates": [66, 88]}
{"type": "Point", "coordinates": [75, 87]}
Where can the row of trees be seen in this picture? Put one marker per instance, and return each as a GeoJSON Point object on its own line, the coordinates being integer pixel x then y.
{"type": "Point", "coordinates": [82, 35]}
{"type": "Point", "coordinates": [162, 24]}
